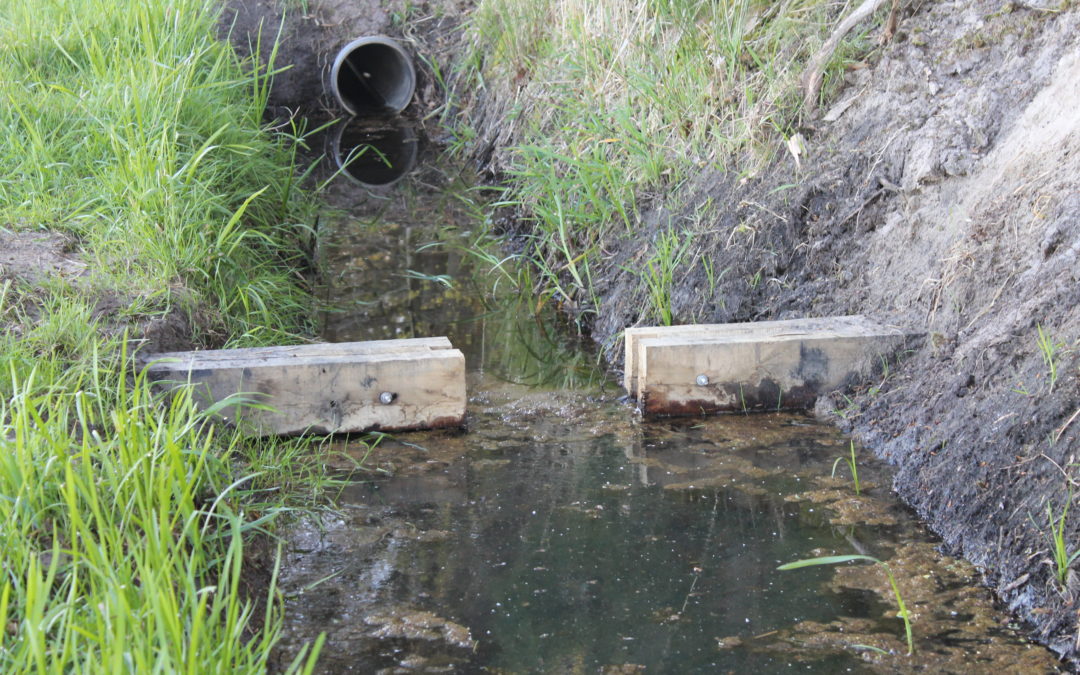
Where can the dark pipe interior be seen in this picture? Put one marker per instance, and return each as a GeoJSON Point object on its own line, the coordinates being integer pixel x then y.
{"type": "Point", "coordinates": [376, 153]}
{"type": "Point", "coordinates": [375, 77]}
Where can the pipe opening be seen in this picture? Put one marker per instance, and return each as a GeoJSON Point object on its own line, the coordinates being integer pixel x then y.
{"type": "Point", "coordinates": [374, 153]}
{"type": "Point", "coordinates": [373, 74]}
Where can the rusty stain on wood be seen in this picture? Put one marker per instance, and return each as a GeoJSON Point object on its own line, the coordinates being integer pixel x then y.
{"type": "Point", "coordinates": [774, 365]}
{"type": "Point", "coordinates": [387, 385]}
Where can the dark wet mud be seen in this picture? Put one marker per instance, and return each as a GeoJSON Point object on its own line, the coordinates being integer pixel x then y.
{"type": "Point", "coordinates": [558, 533]}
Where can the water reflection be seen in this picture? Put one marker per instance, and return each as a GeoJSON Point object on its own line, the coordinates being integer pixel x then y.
{"type": "Point", "coordinates": [374, 152]}
{"type": "Point", "coordinates": [557, 560]}
{"type": "Point", "coordinates": [388, 277]}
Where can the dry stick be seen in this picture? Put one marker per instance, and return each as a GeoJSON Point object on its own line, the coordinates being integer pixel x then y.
{"type": "Point", "coordinates": [890, 23]}
{"type": "Point", "coordinates": [1068, 479]}
{"type": "Point", "coordinates": [815, 71]}
{"type": "Point", "coordinates": [992, 301]}
{"type": "Point", "coordinates": [1066, 425]}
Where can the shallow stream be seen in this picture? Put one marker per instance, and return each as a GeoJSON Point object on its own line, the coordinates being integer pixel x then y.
{"type": "Point", "coordinates": [559, 533]}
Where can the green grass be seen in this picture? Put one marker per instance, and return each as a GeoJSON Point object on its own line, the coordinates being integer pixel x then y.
{"type": "Point", "coordinates": [1059, 548]}
{"type": "Point", "coordinates": [853, 467]}
{"type": "Point", "coordinates": [608, 104]}
{"type": "Point", "coordinates": [129, 127]}
{"type": "Point", "coordinates": [122, 548]}
{"type": "Point", "coordinates": [658, 275]}
{"type": "Point", "coordinates": [1049, 349]}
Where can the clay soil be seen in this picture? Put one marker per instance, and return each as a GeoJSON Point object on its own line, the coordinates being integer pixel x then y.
{"type": "Point", "coordinates": [941, 193]}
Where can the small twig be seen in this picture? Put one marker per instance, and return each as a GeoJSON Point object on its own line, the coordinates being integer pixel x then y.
{"type": "Point", "coordinates": [1065, 426]}
{"type": "Point", "coordinates": [1065, 473]}
{"type": "Point", "coordinates": [1017, 464]}
{"type": "Point", "coordinates": [689, 593]}
{"type": "Point", "coordinates": [1016, 583]}
{"type": "Point", "coordinates": [890, 23]}
{"type": "Point", "coordinates": [881, 156]}
{"type": "Point", "coordinates": [992, 301]}
{"type": "Point", "coordinates": [857, 211]}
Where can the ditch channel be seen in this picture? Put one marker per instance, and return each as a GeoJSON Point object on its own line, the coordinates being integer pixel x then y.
{"type": "Point", "coordinates": [558, 532]}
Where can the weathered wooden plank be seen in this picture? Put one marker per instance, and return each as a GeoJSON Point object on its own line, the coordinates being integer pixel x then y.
{"type": "Point", "coordinates": [347, 387]}
{"type": "Point", "coordinates": [777, 367]}
{"type": "Point", "coordinates": [634, 336]}
{"type": "Point", "coordinates": [314, 350]}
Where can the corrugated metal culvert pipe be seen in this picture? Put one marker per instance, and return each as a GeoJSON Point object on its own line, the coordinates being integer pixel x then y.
{"type": "Point", "coordinates": [373, 74]}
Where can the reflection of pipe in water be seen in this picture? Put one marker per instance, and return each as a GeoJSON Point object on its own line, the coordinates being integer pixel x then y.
{"type": "Point", "coordinates": [373, 75]}
{"type": "Point", "coordinates": [375, 153]}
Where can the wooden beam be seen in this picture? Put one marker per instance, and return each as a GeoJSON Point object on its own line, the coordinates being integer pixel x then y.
{"type": "Point", "coordinates": [771, 365]}
{"type": "Point", "coordinates": [634, 336]}
{"type": "Point", "coordinates": [389, 385]}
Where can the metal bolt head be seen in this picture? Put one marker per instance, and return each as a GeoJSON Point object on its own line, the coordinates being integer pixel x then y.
{"type": "Point", "coordinates": [387, 397]}
{"type": "Point", "coordinates": [702, 380]}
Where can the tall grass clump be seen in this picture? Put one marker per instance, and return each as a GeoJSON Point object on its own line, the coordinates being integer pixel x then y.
{"type": "Point", "coordinates": [122, 549]}
{"type": "Point", "coordinates": [607, 104]}
{"type": "Point", "coordinates": [129, 127]}
{"type": "Point", "coordinates": [658, 275]}
{"type": "Point", "coordinates": [853, 466]}
{"type": "Point", "coordinates": [1049, 349]}
{"type": "Point", "coordinates": [1063, 556]}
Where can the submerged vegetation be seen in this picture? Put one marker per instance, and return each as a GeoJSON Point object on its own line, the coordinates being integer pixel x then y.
{"type": "Point", "coordinates": [841, 559]}
{"type": "Point", "coordinates": [616, 102]}
{"type": "Point", "coordinates": [131, 131]}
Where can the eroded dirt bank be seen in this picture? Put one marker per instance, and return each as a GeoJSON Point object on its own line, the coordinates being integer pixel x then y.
{"type": "Point", "coordinates": [941, 191]}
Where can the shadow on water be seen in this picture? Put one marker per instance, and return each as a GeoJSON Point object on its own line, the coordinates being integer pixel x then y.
{"type": "Point", "coordinates": [560, 533]}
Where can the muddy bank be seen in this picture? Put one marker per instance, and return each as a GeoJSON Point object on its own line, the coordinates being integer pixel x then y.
{"type": "Point", "coordinates": [32, 263]}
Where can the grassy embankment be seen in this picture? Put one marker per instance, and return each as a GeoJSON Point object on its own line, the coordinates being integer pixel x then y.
{"type": "Point", "coordinates": [129, 128]}
{"type": "Point", "coordinates": [614, 103]}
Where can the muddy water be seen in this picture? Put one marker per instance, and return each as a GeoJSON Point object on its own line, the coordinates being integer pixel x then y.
{"type": "Point", "coordinates": [558, 533]}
